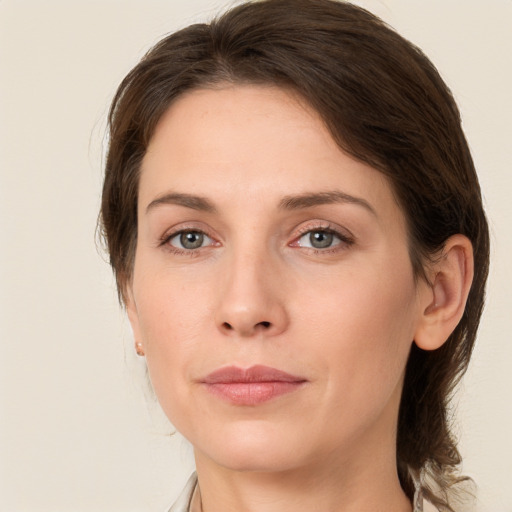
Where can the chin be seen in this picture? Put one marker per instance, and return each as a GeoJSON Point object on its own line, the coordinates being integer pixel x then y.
{"type": "Point", "coordinates": [252, 448]}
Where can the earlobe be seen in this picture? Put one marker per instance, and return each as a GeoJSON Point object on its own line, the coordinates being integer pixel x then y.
{"type": "Point", "coordinates": [444, 304]}
{"type": "Point", "coordinates": [133, 317]}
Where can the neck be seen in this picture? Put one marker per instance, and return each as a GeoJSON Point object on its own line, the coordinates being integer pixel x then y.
{"type": "Point", "coordinates": [349, 483]}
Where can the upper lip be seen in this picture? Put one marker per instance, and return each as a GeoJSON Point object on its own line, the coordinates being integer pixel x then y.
{"type": "Point", "coordinates": [258, 373]}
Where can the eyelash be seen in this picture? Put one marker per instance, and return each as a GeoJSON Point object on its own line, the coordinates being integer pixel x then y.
{"type": "Point", "coordinates": [345, 240]}
{"type": "Point", "coordinates": [167, 237]}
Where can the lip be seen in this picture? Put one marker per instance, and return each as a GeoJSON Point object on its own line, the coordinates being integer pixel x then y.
{"type": "Point", "coordinates": [251, 386]}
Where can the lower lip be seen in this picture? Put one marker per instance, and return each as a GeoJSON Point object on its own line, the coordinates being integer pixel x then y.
{"type": "Point", "coordinates": [252, 393]}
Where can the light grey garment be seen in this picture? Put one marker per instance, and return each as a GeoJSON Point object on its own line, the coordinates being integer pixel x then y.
{"type": "Point", "coordinates": [182, 504]}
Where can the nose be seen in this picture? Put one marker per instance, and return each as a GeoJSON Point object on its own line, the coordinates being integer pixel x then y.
{"type": "Point", "coordinates": [251, 298]}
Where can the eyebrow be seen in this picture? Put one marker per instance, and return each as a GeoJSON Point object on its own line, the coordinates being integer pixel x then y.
{"type": "Point", "coordinates": [307, 200]}
{"type": "Point", "coordinates": [187, 200]}
{"type": "Point", "coordinates": [292, 202]}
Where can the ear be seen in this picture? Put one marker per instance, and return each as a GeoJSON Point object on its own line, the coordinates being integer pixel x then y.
{"type": "Point", "coordinates": [133, 317]}
{"type": "Point", "coordinates": [450, 278]}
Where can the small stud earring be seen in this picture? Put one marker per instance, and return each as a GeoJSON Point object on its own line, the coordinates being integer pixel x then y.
{"type": "Point", "coordinates": [139, 349]}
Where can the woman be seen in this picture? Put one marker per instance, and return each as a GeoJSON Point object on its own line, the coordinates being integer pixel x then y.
{"type": "Point", "coordinates": [297, 233]}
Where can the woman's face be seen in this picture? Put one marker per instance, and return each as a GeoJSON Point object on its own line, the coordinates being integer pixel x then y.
{"type": "Point", "coordinates": [263, 247]}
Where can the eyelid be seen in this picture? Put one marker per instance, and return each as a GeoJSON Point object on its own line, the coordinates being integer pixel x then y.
{"type": "Point", "coordinates": [343, 234]}
{"type": "Point", "coordinates": [320, 225]}
{"type": "Point", "coordinates": [184, 228]}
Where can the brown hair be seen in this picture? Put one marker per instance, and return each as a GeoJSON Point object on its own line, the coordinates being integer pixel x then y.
{"type": "Point", "coordinates": [385, 104]}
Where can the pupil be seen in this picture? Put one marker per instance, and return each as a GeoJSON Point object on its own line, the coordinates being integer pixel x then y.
{"type": "Point", "coordinates": [191, 240]}
{"type": "Point", "coordinates": [320, 239]}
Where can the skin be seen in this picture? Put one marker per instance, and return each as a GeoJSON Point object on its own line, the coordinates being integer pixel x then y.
{"type": "Point", "coordinates": [342, 317]}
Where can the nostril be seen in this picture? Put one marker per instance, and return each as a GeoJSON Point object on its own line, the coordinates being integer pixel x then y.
{"type": "Point", "coordinates": [246, 329]}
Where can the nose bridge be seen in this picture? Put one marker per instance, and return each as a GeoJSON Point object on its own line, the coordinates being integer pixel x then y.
{"type": "Point", "coordinates": [250, 301]}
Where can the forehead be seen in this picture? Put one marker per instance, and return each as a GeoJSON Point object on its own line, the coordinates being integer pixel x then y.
{"type": "Point", "coordinates": [251, 141]}
{"type": "Point", "coordinates": [237, 123]}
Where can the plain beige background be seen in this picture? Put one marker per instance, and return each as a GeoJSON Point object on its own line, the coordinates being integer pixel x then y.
{"type": "Point", "coordinates": [77, 432]}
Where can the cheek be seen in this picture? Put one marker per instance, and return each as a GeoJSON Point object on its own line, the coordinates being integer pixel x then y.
{"type": "Point", "coordinates": [171, 309]}
{"type": "Point", "coordinates": [172, 318]}
{"type": "Point", "coordinates": [366, 322]}
{"type": "Point", "coordinates": [351, 326]}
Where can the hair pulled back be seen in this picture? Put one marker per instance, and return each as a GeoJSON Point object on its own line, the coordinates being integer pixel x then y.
{"type": "Point", "coordinates": [385, 104]}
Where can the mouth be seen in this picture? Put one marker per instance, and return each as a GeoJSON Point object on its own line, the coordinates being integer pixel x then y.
{"type": "Point", "coordinates": [251, 386]}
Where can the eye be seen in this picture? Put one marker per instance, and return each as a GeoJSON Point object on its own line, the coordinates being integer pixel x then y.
{"type": "Point", "coordinates": [319, 239]}
{"type": "Point", "coordinates": [190, 240]}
